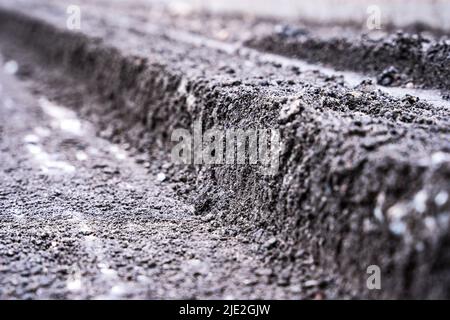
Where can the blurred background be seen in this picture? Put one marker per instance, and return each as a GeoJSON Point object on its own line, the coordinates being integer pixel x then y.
{"type": "Point", "coordinates": [434, 13]}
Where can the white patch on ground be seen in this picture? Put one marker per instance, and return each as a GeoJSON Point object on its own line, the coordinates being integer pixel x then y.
{"type": "Point", "coordinates": [118, 152]}
{"type": "Point", "coordinates": [290, 109]}
{"type": "Point", "coordinates": [63, 118]}
{"type": "Point", "coordinates": [161, 177]}
{"type": "Point", "coordinates": [378, 212]}
{"type": "Point", "coordinates": [395, 214]}
{"type": "Point", "coordinates": [190, 101]}
{"type": "Point", "coordinates": [81, 156]}
{"type": "Point", "coordinates": [441, 198]}
{"type": "Point", "coordinates": [49, 163]}
{"type": "Point", "coordinates": [74, 284]}
{"type": "Point", "coordinates": [107, 272]}
{"type": "Point", "coordinates": [95, 247]}
{"type": "Point", "coordinates": [31, 138]}
{"type": "Point", "coordinates": [439, 157]}
{"type": "Point", "coordinates": [182, 87]}
{"type": "Point", "coordinates": [11, 67]}
{"type": "Point", "coordinates": [118, 291]}
{"type": "Point", "coordinates": [420, 201]}
{"type": "Point", "coordinates": [18, 214]}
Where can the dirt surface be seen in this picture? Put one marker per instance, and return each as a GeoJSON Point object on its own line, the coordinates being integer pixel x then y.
{"type": "Point", "coordinates": [398, 59]}
{"type": "Point", "coordinates": [363, 177]}
{"type": "Point", "coordinates": [82, 218]}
